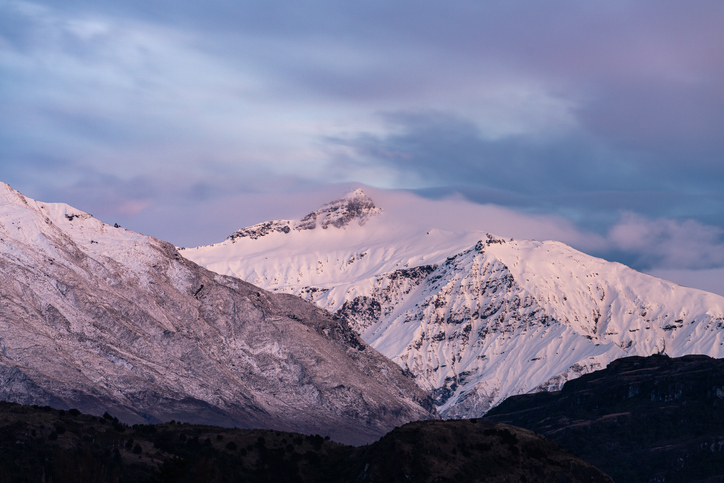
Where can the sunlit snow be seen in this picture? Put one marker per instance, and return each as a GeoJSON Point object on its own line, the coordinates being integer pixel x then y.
{"type": "Point", "coordinates": [475, 317]}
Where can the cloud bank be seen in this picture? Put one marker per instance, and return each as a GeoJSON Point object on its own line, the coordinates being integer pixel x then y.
{"type": "Point", "coordinates": [186, 120]}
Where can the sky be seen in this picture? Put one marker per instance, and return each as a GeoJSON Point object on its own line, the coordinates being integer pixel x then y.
{"type": "Point", "coordinates": [186, 120]}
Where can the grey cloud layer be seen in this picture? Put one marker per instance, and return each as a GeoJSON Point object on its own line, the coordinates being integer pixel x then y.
{"type": "Point", "coordinates": [602, 112]}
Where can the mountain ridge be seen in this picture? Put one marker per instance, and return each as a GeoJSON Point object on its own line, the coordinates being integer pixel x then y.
{"type": "Point", "coordinates": [100, 318]}
{"type": "Point", "coordinates": [473, 316]}
{"type": "Point", "coordinates": [355, 206]}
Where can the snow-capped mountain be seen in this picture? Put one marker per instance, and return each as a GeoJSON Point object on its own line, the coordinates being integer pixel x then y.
{"type": "Point", "coordinates": [100, 318]}
{"type": "Point", "coordinates": [474, 317]}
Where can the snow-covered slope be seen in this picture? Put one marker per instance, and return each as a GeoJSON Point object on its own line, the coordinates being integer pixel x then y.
{"type": "Point", "coordinates": [474, 317]}
{"type": "Point", "coordinates": [100, 318]}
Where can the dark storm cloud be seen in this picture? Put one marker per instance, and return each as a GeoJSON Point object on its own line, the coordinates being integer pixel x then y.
{"type": "Point", "coordinates": [598, 185]}
{"type": "Point", "coordinates": [577, 171]}
{"type": "Point", "coordinates": [448, 150]}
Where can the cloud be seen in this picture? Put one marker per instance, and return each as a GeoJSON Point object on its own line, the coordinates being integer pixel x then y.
{"type": "Point", "coordinates": [123, 95]}
{"type": "Point", "coordinates": [184, 208]}
{"type": "Point", "coordinates": [166, 115]}
{"type": "Point", "coordinates": [440, 149]}
{"type": "Point", "coordinates": [575, 175]}
{"type": "Point", "coordinates": [669, 244]}
{"type": "Point", "coordinates": [686, 251]}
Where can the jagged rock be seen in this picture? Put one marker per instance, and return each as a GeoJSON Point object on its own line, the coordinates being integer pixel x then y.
{"type": "Point", "coordinates": [356, 206]}
{"type": "Point", "coordinates": [262, 229]}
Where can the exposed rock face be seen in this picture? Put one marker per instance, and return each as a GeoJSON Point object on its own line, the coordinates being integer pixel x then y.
{"type": "Point", "coordinates": [101, 318]}
{"type": "Point", "coordinates": [262, 229]}
{"type": "Point", "coordinates": [474, 317]}
{"type": "Point", "coordinates": [356, 206]}
{"type": "Point", "coordinates": [641, 419]}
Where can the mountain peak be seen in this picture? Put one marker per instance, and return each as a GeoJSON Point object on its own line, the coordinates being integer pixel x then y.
{"type": "Point", "coordinates": [474, 318]}
{"type": "Point", "coordinates": [9, 195]}
{"type": "Point", "coordinates": [354, 206]}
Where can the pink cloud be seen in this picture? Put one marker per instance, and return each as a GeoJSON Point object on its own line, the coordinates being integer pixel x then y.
{"type": "Point", "coordinates": [132, 207]}
{"type": "Point", "coordinates": [669, 244]}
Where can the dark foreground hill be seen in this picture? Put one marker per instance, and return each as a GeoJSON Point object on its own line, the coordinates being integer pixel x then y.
{"type": "Point", "coordinates": [642, 419]}
{"type": "Point", "coordinates": [43, 444]}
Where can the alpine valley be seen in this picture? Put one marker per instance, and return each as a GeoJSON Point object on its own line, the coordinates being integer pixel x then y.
{"type": "Point", "coordinates": [99, 318]}
{"type": "Point", "coordinates": [474, 317]}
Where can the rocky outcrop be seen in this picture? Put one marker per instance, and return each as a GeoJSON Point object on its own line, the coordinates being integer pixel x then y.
{"type": "Point", "coordinates": [262, 229]}
{"type": "Point", "coordinates": [354, 207]}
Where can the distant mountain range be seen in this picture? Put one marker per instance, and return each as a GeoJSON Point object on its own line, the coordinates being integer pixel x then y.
{"type": "Point", "coordinates": [473, 316]}
{"type": "Point", "coordinates": [100, 318]}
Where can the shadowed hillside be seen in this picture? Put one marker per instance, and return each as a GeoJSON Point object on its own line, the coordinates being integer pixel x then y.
{"type": "Point", "coordinates": [43, 444]}
{"type": "Point", "coordinates": [641, 419]}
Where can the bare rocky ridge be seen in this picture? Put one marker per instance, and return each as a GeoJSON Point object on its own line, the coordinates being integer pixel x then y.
{"type": "Point", "coordinates": [356, 206]}
{"type": "Point", "coordinates": [103, 319]}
